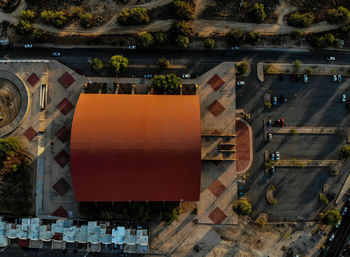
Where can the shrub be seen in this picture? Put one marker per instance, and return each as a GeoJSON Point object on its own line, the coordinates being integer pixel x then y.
{"type": "Point", "coordinates": [296, 34]}
{"type": "Point", "coordinates": [27, 15]}
{"type": "Point", "coordinates": [270, 69]}
{"type": "Point", "coordinates": [323, 199]}
{"type": "Point", "coordinates": [209, 43]}
{"type": "Point", "coordinates": [58, 18]}
{"type": "Point", "coordinates": [300, 20]}
{"type": "Point", "coordinates": [145, 40]}
{"type": "Point", "coordinates": [242, 67]}
{"type": "Point", "coordinates": [136, 16]}
{"type": "Point", "coordinates": [86, 20]}
{"type": "Point", "coordinates": [182, 41]}
{"type": "Point", "coordinates": [269, 163]}
{"type": "Point", "coordinates": [268, 105]}
{"type": "Point", "coordinates": [181, 28]}
{"type": "Point", "coordinates": [242, 207]}
{"type": "Point", "coordinates": [331, 217]}
{"type": "Point", "coordinates": [253, 38]}
{"type": "Point", "coordinates": [334, 172]}
{"type": "Point", "coordinates": [257, 13]}
{"type": "Point", "coordinates": [297, 65]}
{"type": "Point", "coordinates": [24, 27]}
{"type": "Point", "coordinates": [324, 41]}
{"type": "Point", "coordinates": [160, 38]}
{"type": "Point", "coordinates": [338, 15]}
{"type": "Point", "coordinates": [46, 16]}
{"type": "Point", "coordinates": [345, 152]}
{"type": "Point", "coordinates": [235, 37]}
{"type": "Point", "coordinates": [96, 64]}
{"type": "Point", "coordinates": [164, 63]}
{"type": "Point", "coordinates": [168, 83]}
{"type": "Point", "coordinates": [308, 71]}
{"type": "Point", "coordinates": [76, 11]}
{"type": "Point", "coordinates": [118, 63]}
{"type": "Point", "coordinates": [184, 10]}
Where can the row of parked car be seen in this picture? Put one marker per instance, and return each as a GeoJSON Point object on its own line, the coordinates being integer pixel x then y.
{"type": "Point", "coordinates": [278, 123]}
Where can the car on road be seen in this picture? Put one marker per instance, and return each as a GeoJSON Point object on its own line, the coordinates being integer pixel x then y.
{"type": "Point", "coordinates": [344, 211]}
{"type": "Point", "coordinates": [331, 238]}
{"type": "Point", "coordinates": [56, 54]}
{"type": "Point", "coordinates": [132, 47]}
{"type": "Point", "coordinates": [280, 122]}
{"type": "Point", "coordinates": [186, 76]}
{"type": "Point", "coordinates": [306, 78]}
{"type": "Point", "coordinates": [330, 58]}
{"type": "Point", "coordinates": [274, 100]}
{"type": "Point", "coordinates": [28, 45]}
{"type": "Point", "coordinates": [343, 98]}
{"type": "Point", "coordinates": [272, 170]}
{"type": "Point", "coordinates": [335, 78]}
{"type": "Point", "coordinates": [338, 224]}
{"type": "Point", "coordinates": [148, 76]}
{"type": "Point", "coordinates": [277, 156]}
{"type": "Point", "coordinates": [235, 48]}
{"type": "Point", "coordinates": [269, 136]}
{"type": "Point", "coordinates": [273, 156]}
{"type": "Point", "coordinates": [269, 123]}
{"type": "Point", "coordinates": [339, 78]}
{"type": "Point", "coordinates": [240, 83]}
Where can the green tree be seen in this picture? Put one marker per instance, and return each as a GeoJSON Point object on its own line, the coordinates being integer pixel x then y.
{"type": "Point", "coordinates": [136, 16]}
{"type": "Point", "coordinates": [163, 62]}
{"type": "Point", "coordinates": [27, 15]}
{"type": "Point", "coordinates": [253, 38]}
{"type": "Point", "coordinates": [46, 16]}
{"type": "Point", "coordinates": [345, 152]}
{"type": "Point", "coordinates": [145, 39]}
{"type": "Point", "coordinates": [301, 20]}
{"type": "Point", "coordinates": [123, 17]}
{"type": "Point", "coordinates": [235, 37]}
{"type": "Point", "coordinates": [297, 65]}
{"type": "Point", "coordinates": [242, 207]}
{"type": "Point", "coordinates": [184, 10]}
{"type": "Point", "coordinates": [182, 41]}
{"type": "Point", "coordinates": [341, 14]}
{"type": "Point", "coordinates": [96, 64]}
{"type": "Point", "coordinates": [86, 20]}
{"type": "Point", "coordinates": [270, 69]}
{"type": "Point", "coordinates": [323, 199]}
{"type": "Point", "coordinates": [181, 28]}
{"type": "Point", "coordinates": [242, 67]}
{"type": "Point", "coordinates": [160, 38]}
{"type": "Point", "coordinates": [331, 217]}
{"type": "Point", "coordinates": [209, 43]}
{"type": "Point", "coordinates": [118, 63]}
{"type": "Point", "coordinates": [171, 215]}
{"type": "Point", "coordinates": [59, 19]}
{"type": "Point", "coordinates": [168, 83]}
{"type": "Point", "coordinates": [257, 13]}
{"type": "Point", "coordinates": [308, 71]}
{"type": "Point", "coordinates": [24, 27]}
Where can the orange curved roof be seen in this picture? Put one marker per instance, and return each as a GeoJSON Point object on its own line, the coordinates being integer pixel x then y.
{"type": "Point", "coordinates": [136, 148]}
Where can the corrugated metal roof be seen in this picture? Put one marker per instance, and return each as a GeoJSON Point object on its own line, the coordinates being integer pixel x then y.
{"type": "Point", "coordinates": [136, 147]}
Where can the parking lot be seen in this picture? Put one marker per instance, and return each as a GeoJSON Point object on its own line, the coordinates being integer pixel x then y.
{"type": "Point", "coordinates": [313, 104]}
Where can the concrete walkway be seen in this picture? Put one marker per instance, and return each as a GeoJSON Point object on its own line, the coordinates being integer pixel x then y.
{"type": "Point", "coordinates": [305, 130]}
{"type": "Point", "coordinates": [305, 163]}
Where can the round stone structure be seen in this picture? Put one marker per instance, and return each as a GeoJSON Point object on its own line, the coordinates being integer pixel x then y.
{"type": "Point", "coordinates": [14, 102]}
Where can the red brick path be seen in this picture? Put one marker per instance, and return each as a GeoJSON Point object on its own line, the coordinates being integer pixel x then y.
{"type": "Point", "coordinates": [243, 145]}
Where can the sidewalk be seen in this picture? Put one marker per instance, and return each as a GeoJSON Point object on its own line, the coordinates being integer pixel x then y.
{"type": "Point", "coordinates": [305, 163]}
{"type": "Point", "coordinates": [305, 130]}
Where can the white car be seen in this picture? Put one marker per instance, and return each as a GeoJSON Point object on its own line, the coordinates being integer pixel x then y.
{"type": "Point", "coordinates": [56, 54]}
{"type": "Point", "coordinates": [235, 48]}
{"type": "Point", "coordinates": [186, 76]}
{"type": "Point", "coordinates": [277, 156]}
{"type": "Point", "coordinates": [132, 46]}
{"type": "Point", "coordinates": [331, 58]}
{"type": "Point", "coordinates": [331, 237]}
{"type": "Point", "coordinates": [338, 224]}
{"type": "Point", "coordinates": [343, 98]}
{"type": "Point", "coordinates": [240, 83]}
{"type": "Point", "coordinates": [306, 78]}
{"type": "Point", "coordinates": [28, 46]}
{"type": "Point", "coordinates": [335, 78]}
{"type": "Point", "coordinates": [270, 136]}
{"type": "Point", "coordinates": [344, 211]}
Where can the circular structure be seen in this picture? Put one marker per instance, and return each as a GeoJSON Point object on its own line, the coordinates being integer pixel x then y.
{"type": "Point", "coordinates": [14, 102]}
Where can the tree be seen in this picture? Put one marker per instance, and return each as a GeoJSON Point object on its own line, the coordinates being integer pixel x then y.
{"type": "Point", "coordinates": [28, 15]}
{"type": "Point", "coordinates": [171, 215]}
{"type": "Point", "coordinates": [331, 217]}
{"type": "Point", "coordinates": [323, 199]}
{"type": "Point", "coordinates": [168, 83]}
{"type": "Point", "coordinates": [86, 20]}
{"type": "Point", "coordinates": [242, 207]}
{"type": "Point", "coordinates": [136, 16]}
{"type": "Point", "coordinates": [163, 62]}
{"type": "Point", "coordinates": [184, 10]}
{"type": "Point", "coordinates": [46, 16]}
{"type": "Point", "coordinates": [118, 63]}
{"type": "Point", "coordinates": [59, 19]}
{"type": "Point", "coordinates": [182, 41]}
{"type": "Point", "coordinates": [181, 28]}
{"type": "Point", "coordinates": [160, 38]}
{"type": "Point", "coordinates": [270, 69]}
{"type": "Point", "coordinates": [96, 64]}
{"type": "Point", "coordinates": [235, 37]}
{"type": "Point", "coordinates": [209, 43]}
{"type": "Point", "coordinates": [145, 39]}
{"type": "Point", "coordinates": [253, 38]}
{"type": "Point", "coordinates": [242, 67]}
{"type": "Point", "coordinates": [297, 65]}
{"type": "Point", "coordinates": [301, 20]}
{"type": "Point", "coordinates": [257, 13]}
{"type": "Point", "coordinates": [24, 27]}
{"type": "Point", "coordinates": [345, 152]}
{"type": "Point", "coordinates": [341, 14]}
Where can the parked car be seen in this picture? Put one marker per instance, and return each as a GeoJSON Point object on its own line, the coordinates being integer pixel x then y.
{"type": "Point", "coordinates": [132, 46]}
{"type": "Point", "coordinates": [280, 122]}
{"type": "Point", "coordinates": [56, 54]}
{"type": "Point", "coordinates": [331, 237]}
{"type": "Point", "coordinates": [335, 78]}
{"type": "Point", "coordinates": [274, 100]}
{"type": "Point", "coordinates": [277, 156]}
{"type": "Point", "coordinates": [339, 78]}
{"type": "Point", "coordinates": [344, 211]}
{"type": "Point", "coordinates": [269, 136]}
{"type": "Point", "coordinates": [28, 45]}
{"type": "Point", "coordinates": [343, 98]}
{"type": "Point", "coordinates": [330, 58]}
{"type": "Point", "coordinates": [186, 76]}
{"type": "Point", "coordinates": [148, 76]}
{"type": "Point", "coordinates": [269, 124]}
{"type": "Point", "coordinates": [273, 156]}
{"type": "Point", "coordinates": [235, 48]}
{"type": "Point", "coordinates": [338, 224]}
{"type": "Point", "coordinates": [306, 78]}
{"type": "Point", "coordinates": [272, 170]}
{"type": "Point", "coordinates": [240, 83]}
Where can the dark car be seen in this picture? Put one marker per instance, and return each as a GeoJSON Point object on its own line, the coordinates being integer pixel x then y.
{"type": "Point", "coordinates": [280, 122]}
{"type": "Point", "coordinates": [272, 170]}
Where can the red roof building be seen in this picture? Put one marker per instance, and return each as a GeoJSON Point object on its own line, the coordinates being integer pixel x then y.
{"type": "Point", "coordinates": [136, 148]}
